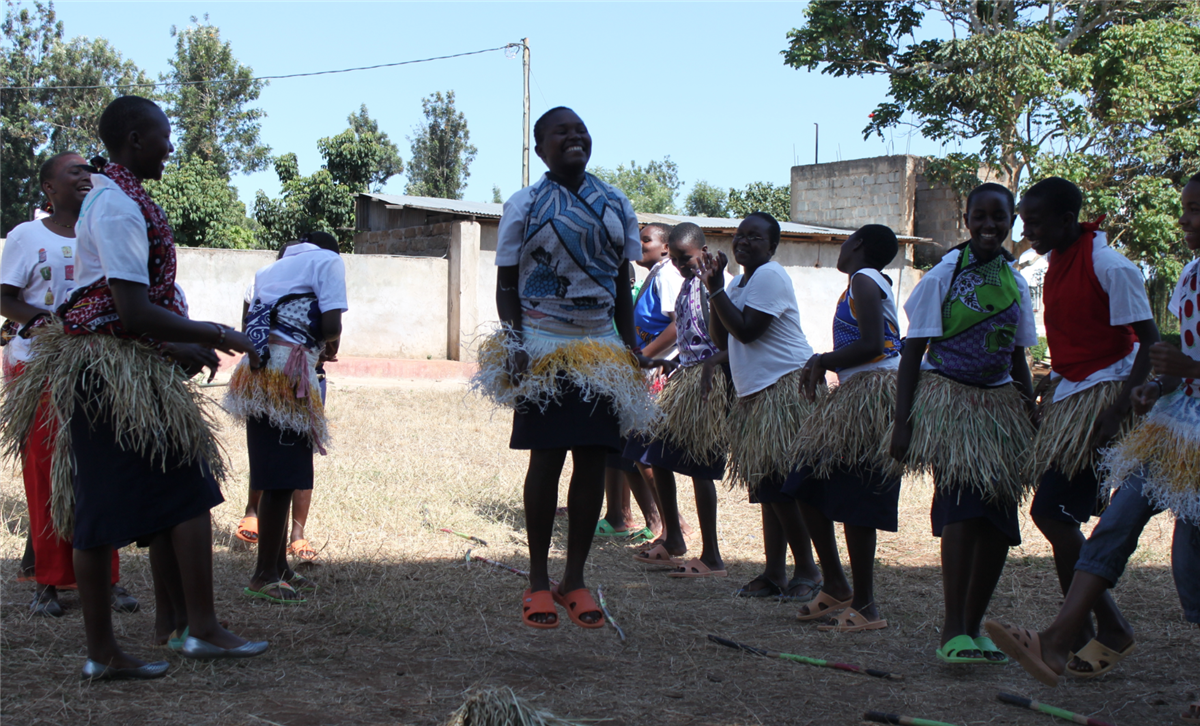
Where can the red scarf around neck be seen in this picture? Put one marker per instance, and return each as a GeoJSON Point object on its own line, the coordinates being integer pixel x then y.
{"type": "Point", "coordinates": [1081, 339]}
{"type": "Point", "coordinates": [91, 309]}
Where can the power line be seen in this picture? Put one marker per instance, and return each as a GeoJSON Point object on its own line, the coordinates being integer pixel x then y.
{"type": "Point", "coordinates": [262, 78]}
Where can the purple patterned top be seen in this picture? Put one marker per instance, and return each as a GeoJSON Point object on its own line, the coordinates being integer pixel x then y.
{"type": "Point", "coordinates": [691, 324]}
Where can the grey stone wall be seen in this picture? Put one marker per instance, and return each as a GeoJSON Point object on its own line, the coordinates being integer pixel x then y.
{"type": "Point", "coordinates": [426, 240]}
{"type": "Point", "coordinates": [849, 194]}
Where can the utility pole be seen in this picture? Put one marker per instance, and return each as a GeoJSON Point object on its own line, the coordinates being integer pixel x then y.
{"type": "Point", "coordinates": [816, 143]}
{"type": "Point", "coordinates": [525, 135]}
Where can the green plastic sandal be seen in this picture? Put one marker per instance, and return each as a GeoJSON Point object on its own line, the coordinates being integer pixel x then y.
{"type": "Point", "coordinates": [604, 529]}
{"type": "Point", "coordinates": [986, 645]}
{"type": "Point", "coordinates": [948, 653]}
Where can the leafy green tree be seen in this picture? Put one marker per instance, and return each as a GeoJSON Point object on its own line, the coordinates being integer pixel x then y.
{"type": "Point", "coordinates": [40, 121]}
{"type": "Point", "coordinates": [203, 208]}
{"type": "Point", "coordinates": [497, 197]}
{"type": "Point", "coordinates": [705, 200]}
{"type": "Point", "coordinates": [1104, 93]}
{"type": "Point", "coordinates": [776, 199]}
{"type": "Point", "coordinates": [362, 156]}
{"type": "Point", "coordinates": [323, 201]}
{"type": "Point", "coordinates": [208, 104]}
{"type": "Point", "coordinates": [441, 150]}
{"type": "Point", "coordinates": [651, 189]}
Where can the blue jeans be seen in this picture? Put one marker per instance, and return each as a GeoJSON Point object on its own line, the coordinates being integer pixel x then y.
{"type": "Point", "coordinates": [1115, 538]}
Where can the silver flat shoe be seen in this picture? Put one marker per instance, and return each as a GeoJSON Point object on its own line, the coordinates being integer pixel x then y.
{"type": "Point", "coordinates": [45, 605]}
{"type": "Point", "coordinates": [93, 671]}
{"type": "Point", "coordinates": [123, 602]}
{"type": "Point", "coordinates": [193, 647]}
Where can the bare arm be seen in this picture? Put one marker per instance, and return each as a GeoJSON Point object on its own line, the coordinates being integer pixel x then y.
{"type": "Point", "coordinates": [1022, 378]}
{"type": "Point", "coordinates": [138, 315]}
{"type": "Point", "coordinates": [14, 308]}
{"type": "Point", "coordinates": [868, 310]}
{"type": "Point", "coordinates": [907, 379]}
{"type": "Point", "coordinates": [664, 341]}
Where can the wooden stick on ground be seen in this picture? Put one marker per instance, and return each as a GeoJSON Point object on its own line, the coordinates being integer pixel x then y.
{"type": "Point", "coordinates": [1052, 710]}
{"type": "Point", "coordinates": [880, 717]}
{"type": "Point", "coordinates": [804, 659]}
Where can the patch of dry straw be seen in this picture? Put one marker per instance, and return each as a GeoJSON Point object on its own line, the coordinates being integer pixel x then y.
{"type": "Point", "coordinates": [846, 426]}
{"type": "Point", "coordinates": [501, 707]}
{"type": "Point", "coordinates": [155, 410]}
{"type": "Point", "coordinates": [972, 437]}
{"type": "Point", "coordinates": [1064, 437]}
{"type": "Point", "coordinates": [762, 430]}
{"type": "Point", "coordinates": [690, 422]}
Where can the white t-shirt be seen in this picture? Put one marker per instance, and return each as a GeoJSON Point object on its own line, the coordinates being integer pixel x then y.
{"type": "Point", "coordinates": [924, 307]}
{"type": "Point", "coordinates": [511, 231]}
{"type": "Point", "coordinates": [890, 317]}
{"type": "Point", "coordinates": [111, 238]}
{"type": "Point", "coordinates": [782, 348]}
{"type": "Point", "coordinates": [42, 264]}
{"type": "Point", "coordinates": [1127, 303]}
{"type": "Point", "coordinates": [666, 286]}
{"type": "Point", "coordinates": [304, 268]}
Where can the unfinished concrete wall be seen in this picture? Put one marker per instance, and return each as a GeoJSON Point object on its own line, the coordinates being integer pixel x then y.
{"type": "Point", "coordinates": [426, 240]}
{"type": "Point", "coordinates": [849, 194]}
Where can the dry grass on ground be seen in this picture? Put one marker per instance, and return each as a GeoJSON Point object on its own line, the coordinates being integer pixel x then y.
{"type": "Point", "coordinates": [402, 627]}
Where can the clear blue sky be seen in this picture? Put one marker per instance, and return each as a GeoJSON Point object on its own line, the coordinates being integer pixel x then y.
{"type": "Point", "coordinates": [701, 82]}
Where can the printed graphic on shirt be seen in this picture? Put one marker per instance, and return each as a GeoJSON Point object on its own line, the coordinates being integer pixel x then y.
{"type": "Point", "coordinates": [49, 299]}
{"type": "Point", "coordinates": [46, 272]}
{"type": "Point", "coordinates": [69, 272]}
{"type": "Point", "coordinates": [42, 257]}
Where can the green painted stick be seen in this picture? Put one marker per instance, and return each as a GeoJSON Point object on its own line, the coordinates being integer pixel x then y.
{"type": "Point", "coordinates": [468, 537]}
{"type": "Point", "coordinates": [880, 717]}
{"type": "Point", "coordinates": [1052, 710]}
{"type": "Point", "coordinates": [804, 659]}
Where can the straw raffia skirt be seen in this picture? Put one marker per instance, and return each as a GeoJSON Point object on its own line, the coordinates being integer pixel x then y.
{"type": "Point", "coordinates": [971, 437]}
{"type": "Point", "coordinates": [597, 367]}
{"type": "Point", "coordinates": [151, 407]}
{"type": "Point", "coordinates": [762, 429]}
{"type": "Point", "coordinates": [1063, 440]}
{"type": "Point", "coordinates": [1166, 447]}
{"type": "Point", "coordinates": [847, 426]}
{"type": "Point", "coordinates": [286, 392]}
{"type": "Point", "coordinates": [691, 424]}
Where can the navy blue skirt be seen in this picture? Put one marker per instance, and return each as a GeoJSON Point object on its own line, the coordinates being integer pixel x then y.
{"type": "Point", "coordinates": [567, 423]}
{"type": "Point", "coordinates": [856, 498]}
{"type": "Point", "coordinates": [635, 449]}
{"type": "Point", "coordinates": [668, 457]}
{"type": "Point", "coordinates": [279, 459]}
{"type": "Point", "coordinates": [1066, 500]}
{"type": "Point", "coordinates": [770, 490]}
{"type": "Point", "coordinates": [122, 497]}
{"type": "Point", "coordinates": [965, 504]}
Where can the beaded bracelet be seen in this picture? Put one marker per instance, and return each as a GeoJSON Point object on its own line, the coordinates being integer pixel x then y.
{"type": "Point", "coordinates": [221, 338]}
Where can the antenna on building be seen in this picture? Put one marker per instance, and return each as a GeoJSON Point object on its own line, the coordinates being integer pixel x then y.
{"type": "Point", "coordinates": [525, 125]}
{"type": "Point", "coordinates": [816, 143]}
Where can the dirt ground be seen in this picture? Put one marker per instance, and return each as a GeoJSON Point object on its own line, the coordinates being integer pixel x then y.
{"type": "Point", "coordinates": [401, 627]}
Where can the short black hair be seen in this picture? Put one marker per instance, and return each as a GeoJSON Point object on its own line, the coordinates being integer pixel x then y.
{"type": "Point", "coordinates": [1195, 178]}
{"type": "Point", "coordinates": [324, 240]}
{"type": "Point", "coordinates": [48, 167]}
{"type": "Point", "coordinates": [664, 228]}
{"type": "Point", "coordinates": [687, 234]}
{"type": "Point", "coordinates": [1060, 194]}
{"type": "Point", "coordinates": [998, 189]}
{"type": "Point", "coordinates": [879, 243]}
{"type": "Point", "coordinates": [539, 126]}
{"type": "Point", "coordinates": [773, 230]}
{"type": "Point", "coordinates": [124, 115]}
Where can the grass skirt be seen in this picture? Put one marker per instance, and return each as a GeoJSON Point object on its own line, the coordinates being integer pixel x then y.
{"type": "Point", "coordinates": [595, 366]}
{"type": "Point", "coordinates": [286, 392]}
{"type": "Point", "coordinates": [1166, 446]}
{"type": "Point", "coordinates": [1063, 440]}
{"type": "Point", "coordinates": [975, 438]}
{"type": "Point", "coordinates": [153, 409]}
{"type": "Point", "coordinates": [762, 430]}
{"type": "Point", "coordinates": [845, 429]}
{"type": "Point", "coordinates": [691, 424]}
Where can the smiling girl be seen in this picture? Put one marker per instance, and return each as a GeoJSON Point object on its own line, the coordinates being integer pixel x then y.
{"type": "Point", "coordinates": [963, 398]}
{"type": "Point", "coordinates": [573, 382]}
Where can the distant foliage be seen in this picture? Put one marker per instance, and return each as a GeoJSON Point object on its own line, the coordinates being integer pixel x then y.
{"type": "Point", "coordinates": [651, 189]}
{"type": "Point", "coordinates": [362, 156]}
{"type": "Point", "coordinates": [441, 150]}
{"type": "Point", "coordinates": [775, 199]}
{"type": "Point", "coordinates": [706, 200]}
{"type": "Point", "coordinates": [203, 208]}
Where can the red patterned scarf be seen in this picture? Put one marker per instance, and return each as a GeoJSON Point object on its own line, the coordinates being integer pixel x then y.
{"type": "Point", "coordinates": [91, 309]}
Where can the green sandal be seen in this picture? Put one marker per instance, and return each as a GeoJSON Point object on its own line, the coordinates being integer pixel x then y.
{"type": "Point", "coordinates": [642, 536]}
{"type": "Point", "coordinates": [284, 588]}
{"type": "Point", "coordinates": [604, 529]}
{"type": "Point", "coordinates": [302, 583]}
{"type": "Point", "coordinates": [948, 653]}
{"type": "Point", "coordinates": [986, 646]}
{"type": "Point", "coordinates": [175, 643]}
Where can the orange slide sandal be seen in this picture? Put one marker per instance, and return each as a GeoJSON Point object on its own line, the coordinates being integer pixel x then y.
{"type": "Point", "coordinates": [247, 529]}
{"type": "Point", "coordinates": [578, 602]}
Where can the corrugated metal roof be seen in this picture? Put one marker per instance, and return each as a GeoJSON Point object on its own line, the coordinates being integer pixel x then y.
{"type": "Point", "coordinates": [492, 210]}
{"type": "Point", "coordinates": [446, 206]}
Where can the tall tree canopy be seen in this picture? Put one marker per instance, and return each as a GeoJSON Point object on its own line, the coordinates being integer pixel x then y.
{"type": "Point", "coordinates": [705, 200]}
{"type": "Point", "coordinates": [41, 121]}
{"type": "Point", "coordinates": [357, 159]}
{"type": "Point", "coordinates": [202, 206]}
{"type": "Point", "coordinates": [208, 100]}
{"type": "Point", "coordinates": [650, 188]}
{"type": "Point", "coordinates": [775, 199]}
{"type": "Point", "coordinates": [441, 150]}
{"type": "Point", "coordinates": [1106, 93]}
